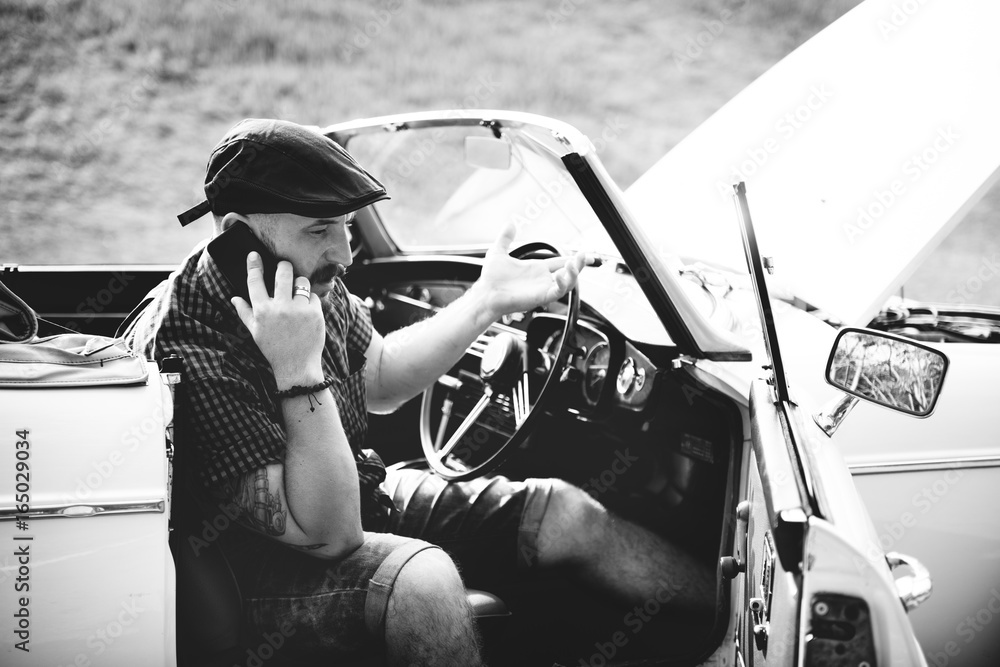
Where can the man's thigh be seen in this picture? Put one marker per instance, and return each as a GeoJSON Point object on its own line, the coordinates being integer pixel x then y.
{"type": "Point", "coordinates": [488, 525]}
{"type": "Point", "coordinates": [321, 607]}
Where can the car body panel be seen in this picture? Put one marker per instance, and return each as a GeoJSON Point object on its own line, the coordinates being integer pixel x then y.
{"type": "Point", "coordinates": [831, 142]}
{"type": "Point", "coordinates": [896, 461]}
{"type": "Point", "coordinates": [941, 516]}
{"type": "Point", "coordinates": [832, 555]}
{"type": "Point", "coordinates": [99, 587]}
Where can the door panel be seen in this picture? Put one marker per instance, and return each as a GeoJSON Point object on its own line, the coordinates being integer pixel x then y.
{"type": "Point", "coordinates": [811, 595]}
{"type": "Point", "coordinates": [771, 593]}
{"type": "Point", "coordinates": [775, 519]}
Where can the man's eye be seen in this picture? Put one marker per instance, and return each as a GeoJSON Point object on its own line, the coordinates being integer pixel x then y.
{"type": "Point", "coordinates": [318, 232]}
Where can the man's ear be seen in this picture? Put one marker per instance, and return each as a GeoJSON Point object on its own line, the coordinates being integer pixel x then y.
{"type": "Point", "coordinates": [229, 219]}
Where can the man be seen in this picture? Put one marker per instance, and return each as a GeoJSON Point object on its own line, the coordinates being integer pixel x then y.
{"type": "Point", "coordinates": [277, 391]}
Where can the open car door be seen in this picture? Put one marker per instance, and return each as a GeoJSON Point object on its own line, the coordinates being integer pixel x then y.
{"type": "Point", "coordinates": [811, 586]}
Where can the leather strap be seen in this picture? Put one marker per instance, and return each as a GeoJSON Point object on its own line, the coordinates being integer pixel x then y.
{"type": "Point", "coordinates": [18, 322]}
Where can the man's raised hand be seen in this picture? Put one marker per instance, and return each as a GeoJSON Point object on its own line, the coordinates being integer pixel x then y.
{"type": "Point", "coordinates": [513, 285]}
{"type": "Point", "coordinates": [288, 327]}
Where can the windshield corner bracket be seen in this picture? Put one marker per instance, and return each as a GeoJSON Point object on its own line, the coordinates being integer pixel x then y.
{"type": "Point", "coordinates": [492, 125]}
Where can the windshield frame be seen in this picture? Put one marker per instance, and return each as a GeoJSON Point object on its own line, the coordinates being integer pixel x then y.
{"type": "Point", "coordinates": [687, 326]}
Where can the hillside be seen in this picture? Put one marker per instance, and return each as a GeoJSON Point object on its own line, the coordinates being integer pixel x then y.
{"type": "Point", "coordinates": [109, 110]}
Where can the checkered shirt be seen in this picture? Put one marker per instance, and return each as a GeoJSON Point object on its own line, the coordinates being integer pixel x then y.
{"type": "Point", "coordinates": [234, 420]}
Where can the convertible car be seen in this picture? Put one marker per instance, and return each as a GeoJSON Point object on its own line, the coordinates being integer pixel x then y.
{"type": "Point", "coordinates": [715, 377]}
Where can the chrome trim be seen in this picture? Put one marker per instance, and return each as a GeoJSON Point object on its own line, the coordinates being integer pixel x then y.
{"type": "Point", "coordinates": [913, 589]}
{"type": "Point", "coordinates": [925, 465]}
{"type": "Point", "coordinates": [81, 510]}
{"type": "Point", "coordinates": [410, 301]}
{"type": "Point", "coordinates": [833, 413]}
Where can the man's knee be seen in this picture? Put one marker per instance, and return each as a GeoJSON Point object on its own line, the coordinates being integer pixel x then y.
{"type": "Point", "coordinates": [429, 620]}
{"type": "Point", "coordinates": [429, 575]}
{"type": "Point", "coordinates": [572, 522]}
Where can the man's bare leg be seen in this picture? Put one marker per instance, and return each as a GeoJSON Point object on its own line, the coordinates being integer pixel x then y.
{"type": "Point", "coordinates": [619, 557]}
{"type": "Point", "coordinates": [428, 621]}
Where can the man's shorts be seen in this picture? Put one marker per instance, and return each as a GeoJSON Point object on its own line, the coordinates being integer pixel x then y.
{"type": "Point", "coordinates": [489, 526]}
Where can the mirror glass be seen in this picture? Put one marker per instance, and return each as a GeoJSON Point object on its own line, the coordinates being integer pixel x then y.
{"type": "Point", "coordinates": [487, 152]}
{"type": "Point", "coordinates": [888, 370]}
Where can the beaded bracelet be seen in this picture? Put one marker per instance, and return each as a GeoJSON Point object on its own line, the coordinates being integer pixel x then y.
{"type": "Point", "coordinates": [299, 390]}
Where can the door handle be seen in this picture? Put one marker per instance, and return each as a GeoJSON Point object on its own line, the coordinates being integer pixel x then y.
{"type": "Point", "coordinates": [732, 566]}
{"type": "Point", "coordinates": [912, 589]}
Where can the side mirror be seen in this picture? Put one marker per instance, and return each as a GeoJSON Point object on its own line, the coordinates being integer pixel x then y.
{"type": "Point", "coordinates": [896, 372]}
{"type": "Point", "coordinates": [487, 153]}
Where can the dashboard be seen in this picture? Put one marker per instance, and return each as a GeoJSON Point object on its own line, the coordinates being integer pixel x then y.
{"type": "Point", "coordinates": [604, 371]}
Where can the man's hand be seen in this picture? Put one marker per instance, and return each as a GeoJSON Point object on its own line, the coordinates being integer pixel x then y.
{"type": "Point", "coordinates": [408, 360]}
{"type": "Point", "coordinates": [512, 285]}
{"type": "Point", "coordinates": [289, 330]}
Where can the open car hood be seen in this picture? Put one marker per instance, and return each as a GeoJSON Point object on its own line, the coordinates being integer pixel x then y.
{"type": "Point", "coordinates": [861, 151]}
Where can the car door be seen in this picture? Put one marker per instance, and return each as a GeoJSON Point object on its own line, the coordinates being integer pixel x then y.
{"type": "Point", "coordinates": [809, 586]}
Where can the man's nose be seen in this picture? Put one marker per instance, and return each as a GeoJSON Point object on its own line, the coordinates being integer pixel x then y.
{"type": "Point", "coordinates": [339, 253]}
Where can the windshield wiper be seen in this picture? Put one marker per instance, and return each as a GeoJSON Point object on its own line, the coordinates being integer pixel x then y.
{"type": "Point", "coordinates": [979, 326]}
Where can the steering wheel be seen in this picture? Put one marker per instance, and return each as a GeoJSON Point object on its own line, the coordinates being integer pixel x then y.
{"type": "Point", "coordinates": [504, 394]}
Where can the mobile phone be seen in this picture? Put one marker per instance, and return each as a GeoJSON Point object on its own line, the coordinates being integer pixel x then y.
{"type": "Point", "coordinates": [230, 249]}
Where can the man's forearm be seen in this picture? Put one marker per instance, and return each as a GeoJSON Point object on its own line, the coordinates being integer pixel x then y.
{"type": "Point", "coordinates": [413, 357]}
{"type": "Point", "coordinates": [320, 475]}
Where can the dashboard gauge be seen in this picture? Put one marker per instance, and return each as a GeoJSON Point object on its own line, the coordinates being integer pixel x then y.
{"type": "Point", "coordinates": [595, 371]}
{"type": "Point", "coordinates": [626, 376]}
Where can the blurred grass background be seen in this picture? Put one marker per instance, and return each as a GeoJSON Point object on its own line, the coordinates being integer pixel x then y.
{"type": "Point", "coordinates": [108, 110]}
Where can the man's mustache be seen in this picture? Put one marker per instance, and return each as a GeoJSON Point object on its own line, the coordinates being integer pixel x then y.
{"type": "Point", "coordinates": [327, 273]}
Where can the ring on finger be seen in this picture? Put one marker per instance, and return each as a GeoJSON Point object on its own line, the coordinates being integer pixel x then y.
{"type": "Point", "coordinates": [302, 290]}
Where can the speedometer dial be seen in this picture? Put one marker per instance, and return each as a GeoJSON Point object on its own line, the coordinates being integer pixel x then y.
{"type": "Point", "coordinates": [595, 371]}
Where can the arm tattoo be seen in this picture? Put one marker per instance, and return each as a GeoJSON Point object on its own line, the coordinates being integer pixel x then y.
{"type": "Point", "coordinates": [258, 507]}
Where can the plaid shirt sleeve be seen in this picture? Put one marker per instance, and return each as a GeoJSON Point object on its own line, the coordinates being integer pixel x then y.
{"type": "Point", "coordinates": [233, 428]}
{"type": "Point", "coordinates": [359, 320]}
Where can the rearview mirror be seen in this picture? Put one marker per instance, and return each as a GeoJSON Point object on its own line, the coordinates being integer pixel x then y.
{"type": "Point", "coordinates": [487, 153]}
{"type": "Point", "coordinates": [889, 370]}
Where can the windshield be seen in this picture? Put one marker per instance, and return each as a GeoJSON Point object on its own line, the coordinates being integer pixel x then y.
{"type": "Point", "coordinates": [447, 196]}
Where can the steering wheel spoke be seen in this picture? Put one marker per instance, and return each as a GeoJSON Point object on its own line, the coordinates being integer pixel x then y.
{"type": "Point", "coordinates": [467, 423]}
{"type": "Point", "coordinates": [506, 373]}
{"type": "Point", "coordinates": [521, 400]}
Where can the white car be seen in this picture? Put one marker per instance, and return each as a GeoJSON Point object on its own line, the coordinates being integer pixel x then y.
{"type": "Point", "coordinates": [680, 384]}
{"type": "Point", "coordinates": [861, 152]}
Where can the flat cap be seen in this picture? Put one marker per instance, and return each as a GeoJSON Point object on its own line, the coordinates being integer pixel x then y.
{"type": "Point", "coordinates": [274, 166]}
